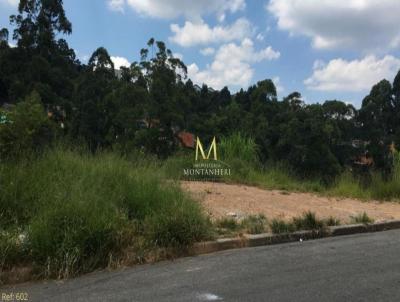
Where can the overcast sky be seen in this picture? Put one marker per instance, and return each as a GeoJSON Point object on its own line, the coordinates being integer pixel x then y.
{"type": "Point", "coordinates": [325, 49]}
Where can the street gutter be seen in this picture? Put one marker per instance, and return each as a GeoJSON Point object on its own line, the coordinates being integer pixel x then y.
{"type": "Point", "coordinates": [270, 239]}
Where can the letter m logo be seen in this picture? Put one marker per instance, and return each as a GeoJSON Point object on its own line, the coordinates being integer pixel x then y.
{"type": "Point", "coordinates": [199, 148]}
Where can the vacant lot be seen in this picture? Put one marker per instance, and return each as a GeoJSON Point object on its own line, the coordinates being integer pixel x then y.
{"type": "Point", "coordinates": [221, 200]}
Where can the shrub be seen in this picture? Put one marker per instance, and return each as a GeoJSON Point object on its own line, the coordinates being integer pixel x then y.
{"type": "Point", "coordinates": [25, 128]}
{"type": "Point", "coordinates": [239, 147]}
{"type": "Point", "coordinates": [80, 210]}
{"type": "Point", "coordinates": [362, 218]}
{"type": "Point", "coordinates": [177, 225]}
{"type": "Point", "coordinates": [307, 222]}
{"type": "Point", "coordinates": [279, 226]}
{"type": "Point", "coordinates": [174, 165]}
{"type": "Point", "coordinates": [332, 221]}
{"type": "Point", "coordinates": [74, 237]}
{"type": "Point", "coordinates": [227, 223]}
{"type": "Point", "coordinates": [255, 224]}
{"type": "Point", "coordinates": [346, 185]}
{"type": "Point", "coordinates": [12, 248]}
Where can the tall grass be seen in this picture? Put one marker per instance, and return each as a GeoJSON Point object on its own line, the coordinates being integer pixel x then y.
{"type": "Point", "coordinates": [378, 188]}
{"type": "Point", "coordinates": [241, 154]}
{"type": "Point", "coordinates": [75, 211]}
{"type": "Point", "coordinates": [238, 147]}
{"type": "Point", "coordinates": [362, 218]}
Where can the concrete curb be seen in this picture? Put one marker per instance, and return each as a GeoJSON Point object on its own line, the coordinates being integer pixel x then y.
{"type": "Point", "coordinates": [270, 239]}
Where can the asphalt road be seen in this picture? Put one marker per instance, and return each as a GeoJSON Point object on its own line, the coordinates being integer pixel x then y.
{"type": "Point", "coordinates": [362, 267]}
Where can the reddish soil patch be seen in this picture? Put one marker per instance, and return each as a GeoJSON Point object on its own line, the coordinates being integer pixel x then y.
{"type": "Point", "coordinates": [221, 200]}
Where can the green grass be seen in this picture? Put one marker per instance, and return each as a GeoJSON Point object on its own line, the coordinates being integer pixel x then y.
{"type": "Point", "coordinates": [308, 221]}
{"type": "Point", "coordinates": [378, 188]}
{"type": "Point", "coordinates": [281, 178]}
{"type": "Point", "coordinates": [255, 224]}
{"type": "Point", "coordinates": [68, 212]}
{"type": "Point", "coordinates": [252, 224]}
{"type": "Point", "coordinates": [240, 153]}
{"type": "Point", "coordinates": [227, 223]}
{"type": "Point", "coordinates": [78, 211]}
{"type": "Point", "coordinates": [362, 218]}
{"type": "Point", "coordinates": [238, 146]}
{"type": "Point", "coordinates": [258, 224]}
{"type": "Point", "coordinates": [279, 226]}
{"type": "Point", "coordinates": [332, 221]}
{"type": "Point", "coordinates": [227, 227]}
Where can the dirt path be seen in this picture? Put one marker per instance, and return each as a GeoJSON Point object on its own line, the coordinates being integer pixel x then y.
{"type": "Point", "coordinates": [221, 200]}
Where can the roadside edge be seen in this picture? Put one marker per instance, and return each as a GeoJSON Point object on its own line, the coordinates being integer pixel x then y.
{"type": "Point", "coordinates": [271, 239]}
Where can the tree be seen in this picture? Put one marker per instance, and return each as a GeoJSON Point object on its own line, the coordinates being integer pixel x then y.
{"type": "Point", "coordinates": [376, 110]}
{"type": "Point", "coordinates": [152, 100]}
{"type": "Point", "coordinates": [375, 117]}
{"type": "Point", "coordinates": [25, 128]}
{"type": "Point", "coordinates": [163, 74]}
{"type": "Point", "coordinates": [93, 114]}
{"type": "Point", "coordinates": [3, 37]}
{"type": "Point", "coordinates": [294, 101]}
{"type": "Point", "coordinates": [38, 22]}
{"type": "Point", "coordinates": [100, 60]}
{"type": "Point", "coordinates": [396, 110]}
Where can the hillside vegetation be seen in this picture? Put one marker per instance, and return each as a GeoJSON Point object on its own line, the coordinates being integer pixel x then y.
{"type": "Point", "coordinates": [147, 105]}
{"type": "Point", "coordinates": [110, 193]}
{"type": "Point", "coordinates": [69, 212]}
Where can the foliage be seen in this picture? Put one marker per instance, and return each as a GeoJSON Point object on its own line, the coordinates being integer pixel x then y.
{"type": "Point", "coordinates": [332, 221]}
{"type": "Point", "coordinates": [238, 146]}
{"type": "Point", "coordinates": [227, 223]}
{"type": "Point", "coordinates": [24, 128]}
{"type": "Point", "coordinates": [144, 106]}
{"type": "Point", "coordinates": [255, 224]}
{"type": "Point", "coordinates": [12, 251]}
{"type": "Point", "coordinates": [79, 210]}
{"type": "Point", "coordinates": [279, 226]}
{"type": "Point", "coordinates": [308, 221]}
{"type": "Point", "coordinates": [362, 218]}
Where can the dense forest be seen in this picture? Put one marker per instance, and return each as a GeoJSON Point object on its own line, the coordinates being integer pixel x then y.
{"type": "Point", "coordinates": [46, 94]}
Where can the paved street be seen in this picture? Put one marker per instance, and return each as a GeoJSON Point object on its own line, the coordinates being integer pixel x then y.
{"type": "Point", "coordinates": [362, 267]}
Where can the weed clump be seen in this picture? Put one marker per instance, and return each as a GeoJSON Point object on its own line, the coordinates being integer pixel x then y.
{"type": "Point", "coordinates": [255, 224]}
{"type": "Point", "coordinates": [77, 211]}
{"type": "Point", "coordinates": [362, 218]}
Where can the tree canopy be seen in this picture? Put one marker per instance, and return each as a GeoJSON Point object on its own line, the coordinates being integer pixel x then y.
{"type": "Point", "coordinates": [145, 105]}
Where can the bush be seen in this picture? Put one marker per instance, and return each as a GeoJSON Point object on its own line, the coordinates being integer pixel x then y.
{"type": "Point", "coordinates": [25, 128]}
{"type": "Point", "coordinates": [238, 147]}
{"type": "Point", "coordinates": [255, 224]}
{"type": "Point", "coordinates": [332, 221]}
{"type": "Point", "coordinates": [227, 223]}
{"type": "Point", "coordinates": [74, 237]}
{"type": "Point", "coordinates": [177, 225]}
{"type": "Point", "coordinates": [81, 210]}
{"type": "Point", "coordinates": [307, 222]}
{"type": "Point", "coordinates": [279, 176]}
{"type": "Point", "coordinates": [362, 218]}
{"type": "Point", "coordinates": [279, 226]}
{"type": "Point", "coordinates": [12, 248]}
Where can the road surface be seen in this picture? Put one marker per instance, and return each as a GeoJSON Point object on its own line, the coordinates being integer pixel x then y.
{"type": "Point", "coordinates": [363, 267]}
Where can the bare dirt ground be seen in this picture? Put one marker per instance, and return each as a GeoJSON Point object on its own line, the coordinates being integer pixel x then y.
{"type": "Point", "coordinates": [222, 200]}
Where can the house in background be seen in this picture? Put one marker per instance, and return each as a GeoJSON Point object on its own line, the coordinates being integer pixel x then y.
{"type": "Point", "coordinates": [184, 138]}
